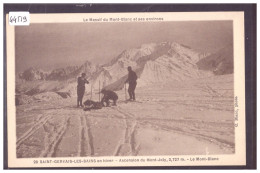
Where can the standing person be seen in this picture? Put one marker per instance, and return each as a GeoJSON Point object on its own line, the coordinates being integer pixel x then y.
{"type": "Point", "coordinates": [132, 77]}
{"type": "Point", "coordinates": [81, 88]}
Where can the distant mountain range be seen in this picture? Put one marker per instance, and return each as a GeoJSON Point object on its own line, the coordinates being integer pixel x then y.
{"type": "Point", "coordinates": [220, 62]}
{"type": "Point", "coordinates": [153, 63]}
{"type": "Point", "coordinates": [66, 73]}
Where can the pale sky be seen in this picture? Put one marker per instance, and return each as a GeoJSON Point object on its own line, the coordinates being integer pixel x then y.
{"type": "Point", "coordinates": [49, 46]}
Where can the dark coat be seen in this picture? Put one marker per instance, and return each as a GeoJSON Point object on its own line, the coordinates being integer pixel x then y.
{"type": "Point", "coordinates": [132, 77]}
{"type": "Point", "coordinates": [109, 95]}
{"type": "Point", "coordinates": [81, 85]}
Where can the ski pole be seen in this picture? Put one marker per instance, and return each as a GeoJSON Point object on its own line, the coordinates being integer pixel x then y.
{"type": "Point", "coordinates": [91, 93]}
{"type": "Point", "coordinates": [125, 93]}
{"type": "Point", "coordinates": [99, 91]}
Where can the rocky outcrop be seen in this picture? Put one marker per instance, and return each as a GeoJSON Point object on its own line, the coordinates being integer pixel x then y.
{"type": "Point", "coordinates": [33, 74]}
{"type": "Point", "coordinates": [220, 62]}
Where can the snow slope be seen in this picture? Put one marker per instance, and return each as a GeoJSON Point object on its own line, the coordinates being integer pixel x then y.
{"type": "Point", "coordinates": [162, 62]}
{"type": "Point", "coordinates": [165, 120]}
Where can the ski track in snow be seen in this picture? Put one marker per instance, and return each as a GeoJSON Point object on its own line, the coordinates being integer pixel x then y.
{"type": "Point", "coordinates": [129, 145]}
{"type": "Point", "coordinates": [32, 130]}
{"type": "Point", "coordinates": [86, 147]}
{"type": "Point", "coordinates": [52, 147]}
{"type": "Point", "coordinates": [176, 129]}
{"type": "Point", "coordinates": [130, 130]}
{"type": "Point", "coordinates": [83, 147]}
{"type": "Point", "coordinates": [90, 137]}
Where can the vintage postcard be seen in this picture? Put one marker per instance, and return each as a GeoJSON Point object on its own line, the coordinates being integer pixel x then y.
{"type": "Point", "coordinates": [126, 89]}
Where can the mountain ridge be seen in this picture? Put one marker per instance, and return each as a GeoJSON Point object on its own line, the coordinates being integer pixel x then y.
{"type": "Point", "coordinates": [153, 62]}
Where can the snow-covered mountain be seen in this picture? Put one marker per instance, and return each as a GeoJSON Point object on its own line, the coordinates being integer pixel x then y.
{"type": "Point", "coordinates": [154, 63]}
{"type": "Point", "coordinates": [162, 62]}
{"type": "Point", "coordinates": [59, 74]}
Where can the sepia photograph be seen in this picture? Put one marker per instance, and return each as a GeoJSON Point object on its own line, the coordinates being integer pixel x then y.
{"type": "Point", "coordinates": [127, 88]}
{"type": "Point", "coordinates": [124, 89]}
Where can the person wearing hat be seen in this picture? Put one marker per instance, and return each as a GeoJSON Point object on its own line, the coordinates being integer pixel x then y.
{"type": "Point", "coordinates": [81, 88]}
{"type": "Point", "coordinates": [132, 77]}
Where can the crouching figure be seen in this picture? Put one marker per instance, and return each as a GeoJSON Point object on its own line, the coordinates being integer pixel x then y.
{"type": "Point", "coordinates": [108, 95]}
